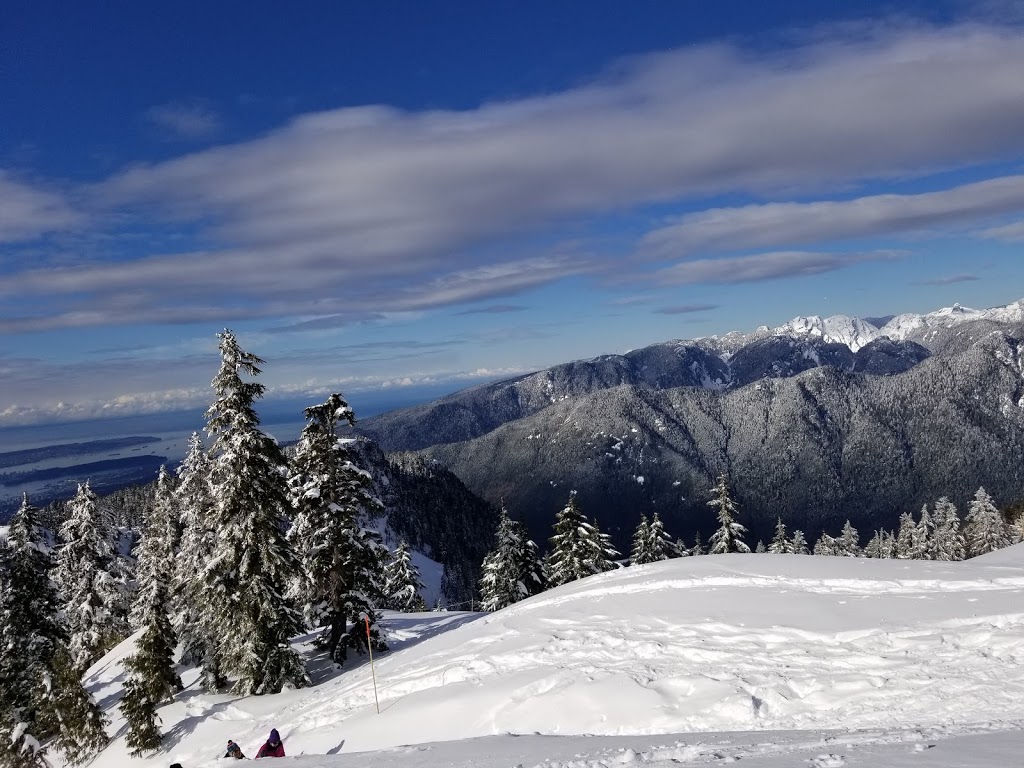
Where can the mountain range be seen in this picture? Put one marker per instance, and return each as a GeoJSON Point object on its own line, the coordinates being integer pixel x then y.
{"type": "Point", "coordinates": [817, 421]}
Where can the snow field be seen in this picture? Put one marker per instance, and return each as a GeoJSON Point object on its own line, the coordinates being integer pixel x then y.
{"type": "Point", "coordinates": [713, 644]}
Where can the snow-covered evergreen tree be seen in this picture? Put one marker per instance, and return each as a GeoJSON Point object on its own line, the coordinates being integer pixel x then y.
{"type": "Point", "coordinates": [82, 724]}
{"type": "Point", "coordinates": [402, 585]}
{"type": "Point", "coordinates": [760, 548]}
{"type": "Point", "coordinates": [848, 543]}
{"type": "Point", "coordinates": [680, 548]}
{"type": "Point", "coordinates": [252, 563]}
{"type": "Point", "coordinates": [85, 583]}
{"type": "Point", "coordinates": [152, 678]}
{"type": "Point", "coordinates": [874, 547]}
{"type": "Point", "coordinates": [906, 540]}
{"type": "Point", "coordinates": [602, 553]}
{"type": "Point", "coordinates": [33, 657]}
{"type": "Point", "coordinates": [195, 584]}
{"type": "Point", "coordinates": [661, 545]}
{"type": "Point", "coordinates": [985, 530]}
{"type": "Point", "coordinates": [650, 542]}
{"type": "Point", "coordinates": [698, 547]}
{"type": "Point", "coordinates": [342, 559]}
{"type": "Point", "coordinates": [156, 550]}
{"type": "Point", "coordinates": [781, 545]}
{"type": "Point", "coordinates": [799, 543]}
{"type": "Point", "coordinates": [948, 543]}
{"type": "Point", "coordinates": [924, 536]}
{"type": "Point", "coordinates": [139, 712]}
{"type": "Point", "coordinates": [729, 536]}
{"type": "Point", "coordinates": [640, 554]}
{"type": "Point", "coordinates": [512, 570]}
{"type": "Point", "coordinates": [578, 548]}
{"type": "Point", "coordinates": [826, 546]}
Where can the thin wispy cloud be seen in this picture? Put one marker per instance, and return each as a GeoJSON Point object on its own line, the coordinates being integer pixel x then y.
{"type": "Point", "coordinates": [493, 309]}
{"type": "Point", "coordinates": [28, 210]}
{"type": "Point", "coordinates": [626, 301]}
{"type": "Point", "coordinates": [777, 224]}
{"type": "Point", "coordinates": [686, 309]}
{"type": "Point", "coordinates": [327, 322]}
{"type": "Point", "coordinates": [1011, 233]}
{"type": "Point", "coordinates": [951, 280]}
{"type": "Point", "coordinates": [766, 266]}
{"type": "Point", "coordinates": [184, 120]}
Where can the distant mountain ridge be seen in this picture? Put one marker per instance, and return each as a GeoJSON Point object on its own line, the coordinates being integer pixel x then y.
{"type": "Point", "coordinates": [716, 363]}
{"type": "Point", "coordinates": [815, 421]}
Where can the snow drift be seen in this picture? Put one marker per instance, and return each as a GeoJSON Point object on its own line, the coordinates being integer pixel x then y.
{"type": "Point", "coordinates": [705, 644]}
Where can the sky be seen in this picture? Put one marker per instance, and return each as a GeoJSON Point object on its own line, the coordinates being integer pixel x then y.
{"type": "Point", "coordinates": [403, 197]}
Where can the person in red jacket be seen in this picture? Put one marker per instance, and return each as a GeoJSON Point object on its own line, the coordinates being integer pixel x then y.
{"type": "Point", "coordinates": [273, 747]}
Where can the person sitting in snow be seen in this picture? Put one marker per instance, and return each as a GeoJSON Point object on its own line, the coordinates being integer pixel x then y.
{"type": "Point", "coordinates": [234, 751]}
{"type": "Point", "coordinates": [273, 747]}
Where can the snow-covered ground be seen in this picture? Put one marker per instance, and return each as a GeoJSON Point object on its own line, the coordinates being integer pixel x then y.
{"type": "Point", "coordinates": [772, 659]}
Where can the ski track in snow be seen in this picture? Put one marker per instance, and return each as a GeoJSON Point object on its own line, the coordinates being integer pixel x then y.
{"type": "Point", "coordinates": [894, 653]}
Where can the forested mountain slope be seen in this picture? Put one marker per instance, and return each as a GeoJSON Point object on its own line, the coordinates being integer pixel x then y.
{"type": "Point", "coordinates": [715, 363]}
{"type": "Point", "coordinates": [816, 448]}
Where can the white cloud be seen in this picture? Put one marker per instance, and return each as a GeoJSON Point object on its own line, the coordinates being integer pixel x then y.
{"type": "Point", "coordinates": [376, 209]}
{"type": "Point", "coordinates": [1013, 233]}
{"type": "Point", "coordinates": [28, 211]}
{"type": "Point", "coordinates": [766, 266]}
{"type": "Point", "coordinates": [786, 224]}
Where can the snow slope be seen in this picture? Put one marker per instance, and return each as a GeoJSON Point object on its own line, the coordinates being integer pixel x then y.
{"type": "Point", "coordinates": [695, 660]}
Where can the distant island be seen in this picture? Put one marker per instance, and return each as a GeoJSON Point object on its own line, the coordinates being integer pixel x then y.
{"type": "Point", "coordinates": [50, 452]}
{"type": "Point", "coordinates": [82, 471]}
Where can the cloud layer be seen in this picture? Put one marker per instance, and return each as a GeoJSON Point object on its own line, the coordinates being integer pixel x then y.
{"type": "Point", "coordinates": [788, 224]}
{"type": "Point", "coordinates": [28, 211]}
{"type": "Point", "coordinates": [354, 211]}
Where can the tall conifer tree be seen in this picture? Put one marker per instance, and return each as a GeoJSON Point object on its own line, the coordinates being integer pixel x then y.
{"type": "Point", "coordinates": [799, 543]}
{"type": "Point", "coordinates": [949, 539]}
{"type": "Point", "coordinates": [512, 570]}
{"type": "Point", "coordinates": [40, 697]}
{"type": "Point", "coordinates": [152, 678]}
{"type": "Point", "coordinates": [907, 538]}
{"type": "Point", "coordinates": [402, 585]}
{"type": "Point", "coordinates": [924, 536]}
{"type": "Point", "coordinates": [578, 548]}
{"type": "Point", "coordinates": [252, 562]}
{"type": "Point", "coordinates": [848, 543]}
{"type": "Point", "coordinates": [985, 530]}
{"type": "Point", "coordinates": [729, 536]}
{"type": "Point", "coordinates": [342, 558]}
{"type": "Point", "coordinates": [640, 553]}
{"type": "Point", "coordinates": [195, 585]}
{"type": "Point", "coordinates": [781, 545]}
{"type": "Point", "coordinates": [661, 546]}
{"type": "Point", "coordinates": [84, 580]}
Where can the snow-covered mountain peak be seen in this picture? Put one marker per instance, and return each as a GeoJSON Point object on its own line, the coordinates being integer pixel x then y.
{"type": "Point", "coordinates": [838, 329]}
{"type": "Point", "coordinates": [902, 326]}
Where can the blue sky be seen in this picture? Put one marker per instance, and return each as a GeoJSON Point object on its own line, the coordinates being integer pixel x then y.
{"type": "Point", "coordinates": [378, 197]}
